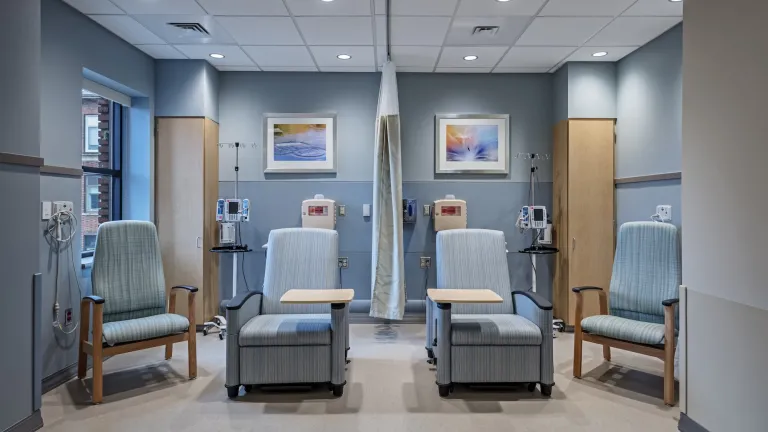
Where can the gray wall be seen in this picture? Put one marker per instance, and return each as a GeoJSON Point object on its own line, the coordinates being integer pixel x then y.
{"type": "Point", "coordinates": [108, 59]}
{"type": "Point", "coordinates": [591, 90]}
{"type": "Point", "coordinates": [723, 162]}
{"type": "Point", "coordinates": [19, 133]}
{"type": "Point", "coordinates": [187, 88]}
{"type": "Point", "coordinates": [648, 130]}
{"type": "Point", "coordinates": [492, 200]}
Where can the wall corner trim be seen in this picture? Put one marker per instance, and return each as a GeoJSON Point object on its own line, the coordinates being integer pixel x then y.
{"type": "Point", "coordinates": [649, 178]}
{"type": "Point", "coordinates": [29, 424]}
{"type": "Point", "coordinates": [61, 171]}
{"type": "Point", "coordinates": [18, 159]}
{"type": "Point", "coordinates": [687, 424]}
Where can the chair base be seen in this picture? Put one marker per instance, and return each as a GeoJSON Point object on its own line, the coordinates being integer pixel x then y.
{"type": "Point", "coordinates": [430, 353]}
{"type": "Point", "coordinates": [444, 390]}
{"type": "Point", "coordinates": [234, 391]}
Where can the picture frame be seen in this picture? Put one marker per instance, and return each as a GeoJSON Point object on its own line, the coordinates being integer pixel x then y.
{"type": "Point", "coordinates": [472, 143]}
{"type": "Point", "coordinates": [300, 143]}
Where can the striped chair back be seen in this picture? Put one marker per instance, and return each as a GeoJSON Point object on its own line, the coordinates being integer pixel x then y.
{"type": "Point", "coordinates": [299, 258]}
{"type": "Point", "coordinates": [646, 271]}
{"type": "Point", "coordinates": [474, 259]}
{"type": "Point", "coordinates": [128, 270]}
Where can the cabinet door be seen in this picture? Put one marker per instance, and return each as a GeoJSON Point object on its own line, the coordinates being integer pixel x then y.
{"type": "Point", "coordinates": [179, 205]}
{"type": "Point", "coordinates": [590, 208]}
{"type": "Point", "coordinates": [561, 291]}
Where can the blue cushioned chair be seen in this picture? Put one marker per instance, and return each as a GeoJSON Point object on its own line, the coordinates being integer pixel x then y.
{"type": "Point", "coordinates": [509, 342]}
{"type": "Point", "coordinates": [130, 309]}
{"type": "Point", "coordinates": [273, 343]}
{"type": "Point", "coordinates": [643, 293]}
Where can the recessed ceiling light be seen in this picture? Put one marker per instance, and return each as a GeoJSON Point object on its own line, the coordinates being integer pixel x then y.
{"type": "Point", "coordinates": [502, 1]}
{"type": "Point", "coordinates": [217, 56]}
{"type": "Point", "coordinates": [326, 1]}
{"type": "Point", "coordinates": [600, 54]}
{"type": "Point", "coordinates": [343, 56]}
{"type": "Point", "coordinates": [470, 57]}
{"type": "Point", "coordinates": [675, 1]}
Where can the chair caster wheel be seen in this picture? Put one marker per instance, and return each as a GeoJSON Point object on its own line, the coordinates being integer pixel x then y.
{"type": "Point", "coordinates": [205, 332]}
{"type": "Point", "coordinates": [444, 390]}
{"type": "Point", "coordinates": [531, 387]}
{"type": "Point", "coordinates": [546, 389]}
{"type": "Point", "coordinates": [430, 353]}
{"type": "Point", "coordinates": [338, 390]}
{"type": "Point", "coordinates": [221, 336]}
{"type": "Point", "coordinates": [233, 391]}
{"type": "Point", "coordinates": [248, 388]}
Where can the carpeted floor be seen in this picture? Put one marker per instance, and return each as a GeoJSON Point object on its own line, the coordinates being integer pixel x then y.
{"type": "Point", "coordinates": [390, 388]}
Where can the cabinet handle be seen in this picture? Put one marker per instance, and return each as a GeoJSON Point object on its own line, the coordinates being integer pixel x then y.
{"type": "Point", "coordinates": [198, 242]}
{"type": "Point", "coordinates": [573, 243]}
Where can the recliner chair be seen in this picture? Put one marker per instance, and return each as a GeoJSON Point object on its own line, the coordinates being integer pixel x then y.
{"type": "Point", "coordinates": [509, 342]}
{"type": "Point", "coordinates": [273, 343]}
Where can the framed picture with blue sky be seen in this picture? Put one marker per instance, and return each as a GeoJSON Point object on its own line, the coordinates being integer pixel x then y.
{"type": "Point", "coordinates": [471, 143]}
{"type": "Point", "coordinates": [300, 143]}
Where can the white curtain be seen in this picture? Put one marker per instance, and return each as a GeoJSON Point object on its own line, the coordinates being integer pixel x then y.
{"type": "Point", "coordinates": [388, 273]}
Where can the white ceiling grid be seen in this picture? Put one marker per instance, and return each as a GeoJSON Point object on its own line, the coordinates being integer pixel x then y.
{"type": "Point", "coordinates": [534, 36]}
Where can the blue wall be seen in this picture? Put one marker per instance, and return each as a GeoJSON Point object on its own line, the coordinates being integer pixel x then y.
{"type": "Point", "coordinates": [493, 201]}
{"type": "Point", "coordinates": [649, 137]}
{"type": "Point", "coordinates": [187, 88]}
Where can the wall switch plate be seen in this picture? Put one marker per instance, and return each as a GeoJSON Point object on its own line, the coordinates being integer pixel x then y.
{"type": "Point", "coordinates": [427, 210]}
{"type": "Point", "coordinates": [46, 210]}
{"type": "Point", "coordinates": [343, 262]}
{"type": "Point", "coordinates": [366, 210]}
{"type": "Point", "coordinates": [664, 212]}
{"type": "Point", "coordinates": [63, 206]}
{"type": "Point", "coordinates": [425, 262]}
{"type": "Point", "coordinates": [342, 210]}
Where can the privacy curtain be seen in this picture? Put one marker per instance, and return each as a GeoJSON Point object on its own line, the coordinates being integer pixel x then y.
{"type": "Point", "coordinates": [388, 274]}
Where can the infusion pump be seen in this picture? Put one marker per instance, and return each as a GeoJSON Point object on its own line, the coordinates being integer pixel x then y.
{"type": "Point", "coordinates": [450, 213]}
{"type": "Point", "coordinates": [318, 212]}
{"type": "Point", "coordinates": [532, 217]}
{"type": "Point", "coordinates": [233, 210]}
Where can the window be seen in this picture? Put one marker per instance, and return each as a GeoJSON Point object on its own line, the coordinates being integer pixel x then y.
{"type": "Point", "coordinates": [103, 121]}
{"type": "Point", "coordinates": [91, 133]}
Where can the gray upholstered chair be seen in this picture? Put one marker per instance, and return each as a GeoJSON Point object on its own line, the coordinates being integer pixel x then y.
{"type": "Point", "coordinates": [130, 308]}
{"type": "Point", "coordinates": [273, 343]}
{"type": "Point", "coordinates": [643, 294]}
{"type": "Point", "coordinates": [509, 342]}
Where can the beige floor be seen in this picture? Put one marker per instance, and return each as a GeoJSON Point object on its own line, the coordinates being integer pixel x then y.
{"type": "Point", "coordinates": [391, 388]}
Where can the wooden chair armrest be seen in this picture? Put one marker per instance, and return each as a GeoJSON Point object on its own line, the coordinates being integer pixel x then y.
{"type": "Point", "coordinates": [579, 290]}
{"type": "Point", "coordinates": [670, 302]}
{"type": "Point", "coordinates": [187, 288]}
{"type": "Point", "coordinates": [603, 298]}
{"type": "Point", "coordinates": [93, 299]}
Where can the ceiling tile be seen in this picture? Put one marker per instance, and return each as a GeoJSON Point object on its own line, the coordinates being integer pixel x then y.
{"type": "Point", "coordinates": [179, 7]}
{"type": "Point", "coordinates": [347, 69]}
{"type": "Point", "coordinates": [244, 7]}
{"type": "Point", "coordinates": [632, 31]}
{"type": "Point", "coordinates": [416, 69]}
{"type": "Point", "coordinates": [520, 70]}
{"type": "Point", "coordinates": [95, 7]}
{"type": "Point", "coordinates": [262, 30]}
{"type": "Point", "coordinates": [238, 68]}
{"type": "Point", "coordinates": [412, 56]}
{"type": "Point", "coordinates": [158, 24]}
{"type": "Point", "coordinates": [655, 8]}
{"type": "Point", "coordinates": [279, 55]}
{"type": "Point", "coordinates": [233, 55]}
{"type": "Point", "coordinates": [418, 7]}
{"type": "Point", "coordinates": [423, 31]}
{"type": "Point", "coordinates": [326, 56]}
{"type": "Point", "coordinates": [534, 57]}
{"type": "Point", "coordinates": [561, 31]}
{"type": "Point", "coordinates": [510, 29]}
{"type": "Point", "coordinates": [463, 70]}
{"type": "Point", "coordinates": [127, 28]}
{"type": "Point", "coordinates": [332, 8]}
{"type": "Point", "coordinates": [290, 69]}
{"type": "Point", "coordinates": [585, 7]}
{"type": "Point", "coordinates": [336, 30]}
{"type": "Point", "coordinates": [161, 51]}
{"type": "Point", "coordinates": [614, 54]}
{"type": "Point", "coordinates": [486, 57]}
{"type": "Point", "coordinates": [494, 8]}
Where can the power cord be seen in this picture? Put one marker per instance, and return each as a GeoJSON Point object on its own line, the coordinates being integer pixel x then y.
{"type": "Point", "coordinates": [54, 231]}
{"type": "Point", "coordinates": [242, 259]}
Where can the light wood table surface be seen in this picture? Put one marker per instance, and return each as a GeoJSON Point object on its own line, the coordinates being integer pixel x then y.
{"type": "Point", "coordinates": [317, 296]}
{"type": "Point", "coordinates": [464, 296]}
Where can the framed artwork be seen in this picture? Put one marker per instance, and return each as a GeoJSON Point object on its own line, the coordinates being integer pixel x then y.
{"type": "Point", "coordinates": [300, 143]}
{"type": "Point", "coordinates": [471, 143]}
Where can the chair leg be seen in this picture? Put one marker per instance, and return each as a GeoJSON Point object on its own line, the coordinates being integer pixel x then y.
{"type": "Point", "coordinates": [168, 351]}
{"type": "Point", "coordinates": [192, 354]}
{"type": "Point", "coordinates": [577, 355]}
{"type": "Point", "coordinates": [98, 359]}
{"type": "Point", "coordinates": [607, 353]}
{"type": "Point", "coordinates": [82, 356]}
{"type": "Point", "coordinates": [669, 355]}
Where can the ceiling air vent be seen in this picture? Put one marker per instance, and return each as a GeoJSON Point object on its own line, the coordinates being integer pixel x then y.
{"type": "Point", "coordinates": [191, 27]}
{"type": "Point", "coordinates": [486, 31]}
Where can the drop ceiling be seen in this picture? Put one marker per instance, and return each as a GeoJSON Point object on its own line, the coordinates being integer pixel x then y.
{"type": "Point", "coordinates": [427, 35]}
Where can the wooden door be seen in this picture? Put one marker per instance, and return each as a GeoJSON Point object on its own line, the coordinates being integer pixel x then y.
{"type": "Point", "coordinates": [590, 208]}
{"type": "Point", "coordinates": [179, 205]}
{"type": "Point", "coordinates": [561, 287]}
{"type": "Point", "coordinates": [210, 299]}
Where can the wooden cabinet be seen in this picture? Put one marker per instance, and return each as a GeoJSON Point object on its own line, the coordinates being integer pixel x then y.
{"type": "Point", "coordinates": [187, 187]}
{"type": "Point", "coordinates": [583, 211]}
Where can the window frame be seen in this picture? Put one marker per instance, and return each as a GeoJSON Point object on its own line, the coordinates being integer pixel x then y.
{"type": "Point", "coordinates": [86, 135]}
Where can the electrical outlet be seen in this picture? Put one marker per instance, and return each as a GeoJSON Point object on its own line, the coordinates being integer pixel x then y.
{"type": "Point", "coordinates": [68, 316]}
{"type": "Point", "coordinates": [63, 207]}
{"type": "Point", "coordinates": [426, 262]}
{"type": "Point", "coordinates": [664, 212]}
{"type": "Point", "coordinates": [344, 262]}
{"type": "Point", "coordinates": [427, 210]}
{"type": "Point", "coordinates": [342, 210]}
{"type": "Point", "coordinates": [46, 210]}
